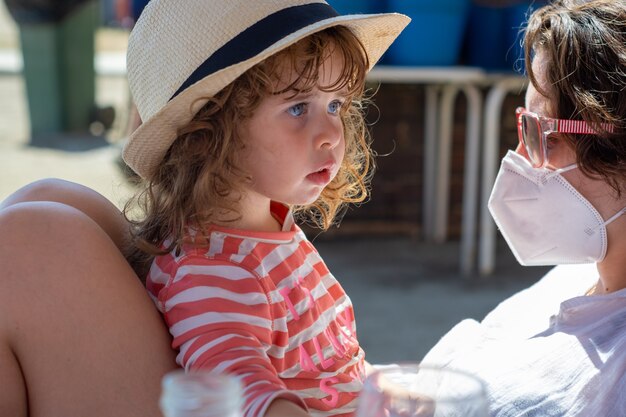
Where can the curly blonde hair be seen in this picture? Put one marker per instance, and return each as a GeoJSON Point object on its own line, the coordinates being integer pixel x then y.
{"type": "Point", "coordinates": [200, 175]}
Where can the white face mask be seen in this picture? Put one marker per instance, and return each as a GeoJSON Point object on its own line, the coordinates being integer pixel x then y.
{"type": "Point", "coordinates": [543, 218]}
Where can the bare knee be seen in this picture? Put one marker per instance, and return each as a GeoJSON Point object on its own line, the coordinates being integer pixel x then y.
{"type": "Point", "coordinates": [35, 236]}
{"type": "Point", "coordinates": [48, 189]}
{"type": "Point", "coordinates": [20, 220]}
{"type": "Point", "coordinates": [84, 199]}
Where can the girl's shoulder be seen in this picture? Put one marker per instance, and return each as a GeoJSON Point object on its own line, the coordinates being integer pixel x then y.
{"type": "Point", "coordinates": [193, 256]}
{"type": "Point", "coordinates": [177, 270]}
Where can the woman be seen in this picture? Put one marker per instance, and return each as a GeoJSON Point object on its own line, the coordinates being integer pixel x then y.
{"type": "Point", "coordinates": [559, 348]}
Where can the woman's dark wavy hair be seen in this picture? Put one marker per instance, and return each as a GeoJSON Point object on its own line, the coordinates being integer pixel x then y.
{"type": "Point", "coordinates": [200, 175]}
{"type": "Point", "coordinates": [584, 43]}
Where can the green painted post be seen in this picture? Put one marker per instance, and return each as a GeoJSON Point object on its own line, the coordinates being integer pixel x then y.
{"type": "Point", "coordinates": [41, 72]}
{"type": "Point", "coordinates": [76, 62]}
{"type": "Point", "coordinates": [59, 72]}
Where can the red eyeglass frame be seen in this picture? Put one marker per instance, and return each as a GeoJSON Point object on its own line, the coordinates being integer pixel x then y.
{"type": "Point", "coordinates": [547, 126]}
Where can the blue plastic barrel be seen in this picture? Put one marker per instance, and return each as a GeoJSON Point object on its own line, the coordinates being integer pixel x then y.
{"type": "Point", "coordinates": [435, 34]}
{"type": "Point", "coordinates": [486, 40]}
{"type": "Point", "coordinates": [495, 34]}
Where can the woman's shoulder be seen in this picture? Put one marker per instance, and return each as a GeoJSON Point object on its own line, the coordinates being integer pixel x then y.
{"type": "Point", "coordinates": [543, 298]}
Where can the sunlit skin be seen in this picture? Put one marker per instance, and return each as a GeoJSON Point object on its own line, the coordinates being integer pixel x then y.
{"type": "Point", "coordinates": [294, 146]}
{"type": "Point", "coordinates": [595, 190]}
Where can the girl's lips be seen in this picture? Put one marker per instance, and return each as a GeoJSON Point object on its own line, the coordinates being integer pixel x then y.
{"type": "Point", "coordinates": [321, 177]}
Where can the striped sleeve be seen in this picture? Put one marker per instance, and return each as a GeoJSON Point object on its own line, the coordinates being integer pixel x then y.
{"type": "Point", "coordinates": [219, 316]}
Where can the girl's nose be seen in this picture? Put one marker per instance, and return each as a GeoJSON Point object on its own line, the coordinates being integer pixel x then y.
{"type": "Point", "coordinates": [330, 132]}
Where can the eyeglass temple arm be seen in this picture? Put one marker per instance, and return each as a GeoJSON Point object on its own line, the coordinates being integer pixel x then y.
{"type": "Point", "coordinates": [579, 126]}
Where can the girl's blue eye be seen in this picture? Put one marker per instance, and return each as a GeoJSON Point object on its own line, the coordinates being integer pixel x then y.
{"type": "Point", "coordinates": [297, 110]}
{"type": "Point", "coordinates": [335, 106]}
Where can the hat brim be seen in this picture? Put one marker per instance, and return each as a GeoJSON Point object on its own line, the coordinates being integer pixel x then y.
{"type": "Point", "coordinates": [147, 146]}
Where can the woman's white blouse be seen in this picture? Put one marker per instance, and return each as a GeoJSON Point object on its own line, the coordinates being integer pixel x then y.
{"type": "Point", "coordinates": [548, 350]}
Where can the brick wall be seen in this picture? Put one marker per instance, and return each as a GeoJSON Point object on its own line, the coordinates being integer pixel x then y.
{"type": "Point", "coordinates": [397, 121]}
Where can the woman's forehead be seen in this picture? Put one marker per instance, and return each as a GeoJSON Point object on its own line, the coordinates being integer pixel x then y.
{"type": "Point", "coordinates": [536, 101]}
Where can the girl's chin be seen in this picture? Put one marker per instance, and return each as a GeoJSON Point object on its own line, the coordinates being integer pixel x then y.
{"type": "Point", "coordinates": [304, 201]}
{"type": "Point", "coordinates": [305, 197]}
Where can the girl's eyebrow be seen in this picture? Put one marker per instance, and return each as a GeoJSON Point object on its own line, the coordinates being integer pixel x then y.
{"type": "Point", "coordinates": [297, 95]}
{"type": "Point", "coordinates": [294, 94]}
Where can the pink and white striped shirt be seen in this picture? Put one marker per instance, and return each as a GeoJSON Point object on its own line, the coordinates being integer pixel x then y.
{"type": "Point", "coordinates": [263, 306]}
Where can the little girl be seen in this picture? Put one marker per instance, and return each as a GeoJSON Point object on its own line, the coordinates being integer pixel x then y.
{"type": "Point", "coordinates": [252, 112]}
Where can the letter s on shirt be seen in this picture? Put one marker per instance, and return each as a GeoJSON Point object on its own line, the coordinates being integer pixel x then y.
{"type": "Point", "coordinates": [325, 385]}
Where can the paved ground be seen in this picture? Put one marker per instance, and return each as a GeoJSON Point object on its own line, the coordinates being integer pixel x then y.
{"type": "Point", "coordinates": [406, 293]}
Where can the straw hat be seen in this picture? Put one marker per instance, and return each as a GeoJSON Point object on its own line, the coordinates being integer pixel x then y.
{"type": "Point", "coordinates": [183, 50]}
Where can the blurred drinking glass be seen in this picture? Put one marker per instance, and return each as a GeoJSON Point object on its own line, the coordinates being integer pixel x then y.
{"type": "Point", "coordinates": [414, 390]}
{"type": "Point", "coordinates": [201, 394]}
